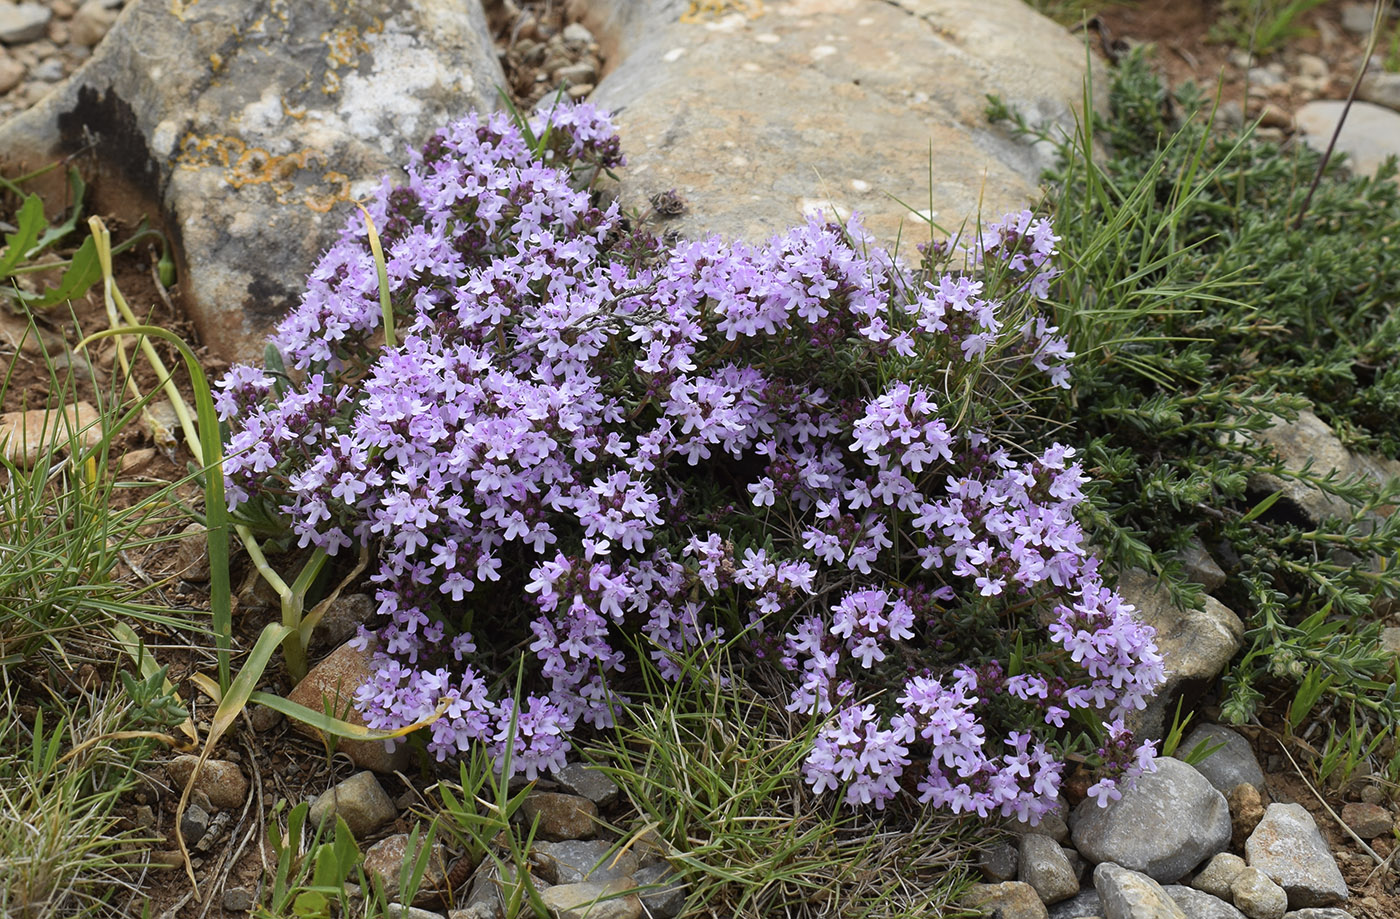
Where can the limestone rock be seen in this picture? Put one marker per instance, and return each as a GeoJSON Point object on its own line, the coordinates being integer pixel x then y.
{"type": "Point", "coordinates": [1008, 900]}
{"type": "Point", "coordinates": [1228, 766]}
{"type": "Point", "coordinates": [1368, 820]}
{"type": "Point", "coordinates": [342, 620]}
{"type": "Point", "coordinates": [1197, 904]}
{"type": "Point", "coordinates": [574, 861]}
{"type": "Point", "coordinates": [11, 73]}
{"type": "Point", "coordinates": [1371, 132]}
{"type": "Point", "coordinates": [384, 862]}
{"type": "Point", "coordinates": [662, 892]}
{"type": "Point", "coordinates": [1257, 896]}
{"type": "Point", "coordinates": [1246, 810]}
{"type": "Point", "coordinates": [222, 781]}
{"type": "Point", "coordinates": [26, 436]}
{"type": "Point", "coordinates": [91, 23]}
{"type": "Point", "coordinates": [1082, 905]}
{"type": "Point", "coordinates": [585, 780]}
{"type": "Point", "coordinates": [360, 800]}
{"type": "Point", "coordinates": [1131, 895]}
{"type": "Point", "coordinates": [593, 901]}
{"type": "Point", "coordinates": [252, 129]}
{"type": "Point", "coordinates": [1216, 876]}
{"type": "Point", "coordinates": [1309, 439]}
{"type": "Point", "coordinates": [999, 862]}
{"type": "Point", "coordinates": [841, 102]}
{"type": "Point", "coordinates": [1195, 644]}
{"type": "Point", "coordinates": [1167, 824]}
{"type": "Point", "coordinates": [1381, 88]}
{"type": "Point", "coordinates": [23, 22]}
{"type": "Point", "coordinates": [1044, 866]}
{"type": "Point", "coordinates": [1287, 846]}
{"type": "Point", "coordinates": [1052, 823]}
{"type": "Point", "coordinates": [331, 684]}
{"type": "Point", "coordinates": [1201, 568]}
{"type": "Point", "coordinates": [1328, 912]}
{"type": "Point", "coordinates": [561, 816]}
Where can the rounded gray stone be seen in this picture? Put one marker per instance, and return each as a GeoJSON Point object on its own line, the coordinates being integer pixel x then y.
{"type": "Point", "coordinates": [1230, 765]}
{"type": "Point", "coordinates": [1370, 134]}
{"type": "Point", "coordinates": [1167, 824]}
{"type": "Point", "coordinates": [1132, 895]}
{"type": "Point", "coordinates": [1044, 866]}
{"type": "Point", "coordinates": [1216, 876]}
{"type": "Point", "coordinates": [1082, 905]}
{"type": "Point", "coordinates": [1289, 849]}
{"type": "Point", "coordinates": [1257, 896]}
{"type": "Point", "coordinates": [359, 800]}
{"type": "Point", "coordinates": [1200, 905]}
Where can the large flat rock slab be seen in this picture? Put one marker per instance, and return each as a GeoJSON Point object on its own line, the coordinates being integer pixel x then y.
{"type": "Point", "coordinates": [248, 124]}
{"type": "Point", "coordinates": [839, 104]}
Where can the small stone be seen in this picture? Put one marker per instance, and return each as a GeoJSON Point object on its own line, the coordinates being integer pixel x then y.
{"type": "Point", "coordinates": [579, 91]}
{"type": "Point", "coordinates": [331, 684]}
{"type": "Point", "coordinates": [360, 801]}
{"type": "Point", "coordinates": [342, 620]}
{"type": "Point", "coordinates": [1257, 896]}
{"type": "Point", "coordinates": [91, 22]}
{"type": "Point", "coordinates": [1326, 912]}
{"type": "Point", "coordinates": [221, 781]}
{"type": "Point", "coordinates": [1370, 134]}
{"type": "Point", "coordinates": [1272, 116]}
{"type": "Point", "coordinates": [399, 911]}
{"type": "Point", "coordinates": [1200, 567]}
{"type": "Point", "coordinates": [49, 70]}
{"type": "Point", "coordinates": [25, 436]}
{"type": "Point", "coordinates": [194, 823]}
{"type": "Point", "coordinates": [560, 816]}
{"type": "Point", "coordinates": [575, 861]}
{"type": "Point", "coordinates": [662, 891]}
{"type": "Point", "coordinates": [1314, 67]}
{"type": "Point", "coordinates": [145, 817]}
{"type": "Point", "coordinates": [591, 783]}
{"type": "Point", "coordinates": [238, 899]}
{"type": "Point", "coordinates": [1083, 905]}
{"type": "Point", "coordinates": [1052, 823]}
{"type": "Point", "coordinates": [192, 562]}
{"type": "Point", "coordinates": [263, 718]}
{"type": "Point", "coordinates": [1131, 895]}
{"type": "Point", "coordinates": [63, 9]}
{"type": "Point", "coordinates": [1007, 900]}
{"type": "Point", "coordinates": [384, 862]}
{"type": "Point", "coordinates": [11, 73]}
{"type": "Point", "coordinates": [1381, 88]}
{"type": "Point", "coordinates": [1287, 847]}
{"type": "Point", "coordinates": [1261, 76]}
{"type": "Point", "coordinates": [576, 74]}
{"type": "Point", "coordinates": [1046, 868]}
{"type": "Point", "coordinates": [1357, 18]}
{"type": "Point", "coordinates": [1200, 905]}
{"type": "Point", "coordinates": [1165, 825]}
{"type": "Point", "coordinates": [1368, 820]}
{"type": "Point", "coordinates": [577, 34]}
{"type": "Point", "coordinates": [1246, 810]}
{"type": "Point", "coordinates": [1372, 794]}
{"type": "Point", "coordinates": [593, 901]}
{"type": "Point", "coordinates": [1231, 764]}
{"type": "Point", "coordinates": [999, 862]}
{"type": "Point", "coordinates": [23, 22]}
{"type": "Point", "coordinates": [1216, 876]}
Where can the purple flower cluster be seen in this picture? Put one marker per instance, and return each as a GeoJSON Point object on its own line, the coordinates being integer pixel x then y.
{"type": "Point", "coordinates": [583, 437]}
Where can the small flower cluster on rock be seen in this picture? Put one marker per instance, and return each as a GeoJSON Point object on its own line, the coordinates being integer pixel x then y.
{"type": "Point", "coordinates": [596, 445]}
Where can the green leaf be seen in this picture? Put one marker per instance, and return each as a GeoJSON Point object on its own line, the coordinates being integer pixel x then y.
{"type": "Point", "coordinates": [1261, 507]}
{"type": "Point", "coordinates": [82, 272]}
{"type": "Point", "coordinates": [31, 221]}
{"type": "Point", "coordinates": [78, 189]}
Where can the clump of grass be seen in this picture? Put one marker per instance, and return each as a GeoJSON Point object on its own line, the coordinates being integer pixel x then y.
{"type": "Point", "coordinates": [1203, 316]}
{"type": "Point", "coordinates": [1262, 26]}
{"type": "Point", "coordinates": [712, 770]}
{"type": "Point", "coordinates": [63, 851]}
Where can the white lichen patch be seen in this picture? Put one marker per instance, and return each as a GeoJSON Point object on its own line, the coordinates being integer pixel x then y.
{"type": "Point", "coordinates": [401, 77]}
{"type": "Point", "coordinates": [821, 51]}
{"type": "Point", "coordinates": [673, 55]}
